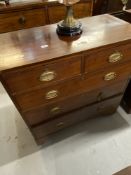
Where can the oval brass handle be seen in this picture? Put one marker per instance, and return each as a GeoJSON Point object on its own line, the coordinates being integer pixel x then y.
{"type": "Point", "coordinates": [110, 76]}
{"type": "Point", "coordinates": [47, 76]}
{"type": "Point", "coordinates": [51, 94]}
{"type": "Point", "coordinates": [55, 110]}
{"type": "Point", "coordinates": [115, 57]}
{"type": "Point", "coordinates": [22, 20]}
{"type": "Point", "coordinates": [60, 124]}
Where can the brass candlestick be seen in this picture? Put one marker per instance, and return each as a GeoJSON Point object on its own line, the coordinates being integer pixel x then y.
{"type": "Point", "coordinates": [124, 2]}
{"type": "Point", "coordinates": [69, 26]}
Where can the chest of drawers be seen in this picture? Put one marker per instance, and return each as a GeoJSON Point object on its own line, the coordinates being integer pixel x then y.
{"type": "Point", "coordinates": [30, 13]}
{"type": "Point", "coordinates": [56, 82]}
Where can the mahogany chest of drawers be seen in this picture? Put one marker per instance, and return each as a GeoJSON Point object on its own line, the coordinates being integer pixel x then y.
{"type": "Point", "coordinates": [31, 13]}
{"type": "Point", "coordinates": [56, 82]}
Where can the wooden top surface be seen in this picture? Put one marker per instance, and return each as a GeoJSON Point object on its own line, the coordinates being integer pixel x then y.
{"type": "Point", "coordinates": [26, 4]}
{"type": "Point", "coordinates": [20, 4]}
{"type": "Point", "coordinates": [14, 3]}
{"type": "Point", "coordinates": [38, 44]}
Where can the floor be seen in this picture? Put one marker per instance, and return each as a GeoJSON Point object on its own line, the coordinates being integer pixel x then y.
{"type": "Point", "coordinates": [96, 147]}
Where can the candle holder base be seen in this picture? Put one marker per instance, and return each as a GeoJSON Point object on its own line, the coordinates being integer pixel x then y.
{"type": "Point", "coordinates": [69, 26]}
{"type": "Point", "coordinates": [69, 31]}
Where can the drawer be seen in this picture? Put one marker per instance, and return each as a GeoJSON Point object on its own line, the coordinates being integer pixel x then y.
{"type": "Point", "coordinates": [22, 19]}
{"type": "Point", "coordinates": [58, 12]}
{"type": "Point", "coordinates": [101, 109]}
{"type": "Point", "coordinates": [83, 9]}
{"type": "Point", "coordinates": [44, 113]}
{"type": "Point", "coordinates": [23, 79]}
{"type": "Point", "coordinates": [36, 98]}
{"type": "Point", "coordinates": [107, 57]}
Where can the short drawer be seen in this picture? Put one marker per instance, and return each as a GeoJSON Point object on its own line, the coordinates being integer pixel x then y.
{"type": "Point", "coordinates": [57, 13]}
{"type": "Point", "coordinates": [22, 19]}
{"type": "Point", "coordinates": [43, 96]}
{"type": "Point", "coordinates": [23, 79]}
{"type": "Point", "coordinates": [107, 57]}
{"type": "Point", "coordinates": [44, 113]}
{"type": "Point", "coordinates": [101, 109]}
{"type": "Point", "coordinates": [83, 9]}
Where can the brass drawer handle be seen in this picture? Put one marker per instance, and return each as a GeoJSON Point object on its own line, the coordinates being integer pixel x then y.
{"type": "Point", "coordinates": [22, 20]}
{"type": "Point", "coordinates": [47, 76]}
{"type": "Point", "coordinates": [110, 76]}
{"type": "Point", "coordinates": [55, 110]}
{"type": "Point", "coordinates": [51, 94]}
{"type": "Point", "coordinates": [60, 124]}
{"type": "Point", "coordinates": [115, 57]}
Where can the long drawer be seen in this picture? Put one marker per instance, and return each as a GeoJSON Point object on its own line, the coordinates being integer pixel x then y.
{"type": "Point", "coordinates": [101, 109]}
{"type": "Point", "coordinates": [43, 96]}
{"type": "Point", "coordinates": [58, 108]}
{"type": "Point", "coordinates": [23, 79]}
{"type": "Point", "coordinates": [103, 58]}
{"type": "Point", "coordinates": [22, 19]}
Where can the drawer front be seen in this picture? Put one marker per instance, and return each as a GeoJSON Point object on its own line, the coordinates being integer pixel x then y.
{"type": "Point", "coordinates": [58, 12]}
{"type": "Point", "coordinates": [101, 109]}
{"type": "Point", "coordinates": [82, 9]}
{"type": "Point", "coordinates": [44, 113]}
{"type": "Point", "coordinates": [23, 19]}
{"type": "Point", "coordinates": [42, 75]}
{"type": "Point", "coordinates": [28, 101]}
{"type": "Point", "coordinates": [107, 57]}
